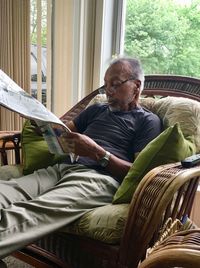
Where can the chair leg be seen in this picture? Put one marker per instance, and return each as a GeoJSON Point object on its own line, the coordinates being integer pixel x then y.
{"type": "Point", "coordinates": [4, 160]}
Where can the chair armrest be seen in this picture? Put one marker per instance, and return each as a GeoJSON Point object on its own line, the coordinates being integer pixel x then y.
{"type": "Point", "coordinates": [166, 191]}
{"type": "Point", "coordinates": [10, 140]}
{"type": "Point", "coordinates": [181, 249]}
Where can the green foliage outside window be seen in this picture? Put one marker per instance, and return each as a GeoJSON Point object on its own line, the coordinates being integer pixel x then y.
{"type": "Point", "coordinates": [164, 35]}
{"type": "Point", "coordinates": [43, 22]}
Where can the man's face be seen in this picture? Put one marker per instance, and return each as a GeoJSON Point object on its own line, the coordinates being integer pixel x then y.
{"type": "Point", "coordinates": [121, 89]}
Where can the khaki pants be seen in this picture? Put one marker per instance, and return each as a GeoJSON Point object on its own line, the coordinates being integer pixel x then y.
{"type": "Point", "coordinates": [37, 204]}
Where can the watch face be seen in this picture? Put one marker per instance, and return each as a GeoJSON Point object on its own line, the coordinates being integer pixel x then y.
{"type": "Point", "coordinates": [103, 162]}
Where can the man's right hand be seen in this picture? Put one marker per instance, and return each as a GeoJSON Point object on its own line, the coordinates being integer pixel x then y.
{"type": "Point", "coordinates": [82, 145]}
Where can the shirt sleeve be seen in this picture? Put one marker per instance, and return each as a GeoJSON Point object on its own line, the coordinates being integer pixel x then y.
{"type": "Point", "coordinates": [150, 128]}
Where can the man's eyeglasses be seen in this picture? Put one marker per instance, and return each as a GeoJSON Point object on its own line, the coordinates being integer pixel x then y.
{"type": "Point", "coordinates": [114, 86]}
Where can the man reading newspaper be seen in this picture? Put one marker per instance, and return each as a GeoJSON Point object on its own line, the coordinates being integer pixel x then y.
{"type": "Point", "coordinates": [106, 137]}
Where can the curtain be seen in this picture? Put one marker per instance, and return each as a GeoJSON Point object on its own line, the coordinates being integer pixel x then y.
{"type": "Point", "coordinates": [73, 52]}
{"type": "Point", "coordinates": [14, 52]}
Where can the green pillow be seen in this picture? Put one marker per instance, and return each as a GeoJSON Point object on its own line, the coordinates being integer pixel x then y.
{"type": "Point", "coordinates": [35, 151]}
{"type": "Point", "coordinates": [170, 146]}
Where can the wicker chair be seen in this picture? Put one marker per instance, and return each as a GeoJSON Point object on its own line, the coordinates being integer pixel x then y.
{"type": "Point", "coordinates": [181, 249]}
{"type": "Point", "coordinates": [166, 191]}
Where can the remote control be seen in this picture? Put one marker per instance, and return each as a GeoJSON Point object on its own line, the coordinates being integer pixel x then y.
{"type": "Point", "coordinates": [191, 161]}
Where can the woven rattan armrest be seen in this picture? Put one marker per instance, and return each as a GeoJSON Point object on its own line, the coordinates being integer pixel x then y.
{"type": "Point", "coordinates": [166, 191]}
{"type": "Point", "coordinates": [181, 249]}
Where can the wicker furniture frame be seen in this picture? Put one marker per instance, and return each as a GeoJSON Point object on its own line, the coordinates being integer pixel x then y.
{"type": "Point", "coordinates": [181, 249]}
{"type": "Point", "coordinates": [166, 191]}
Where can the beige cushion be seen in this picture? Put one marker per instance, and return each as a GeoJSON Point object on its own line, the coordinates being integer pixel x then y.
{"type": "Point", "coordinates": [99, 98]}
{"type": "Point", "coordinates": [148, 103]}
{"type": "Point", "coordinates": [177, 109]}
{"type": "Point", "coordinates": [182, 110]}
{"type": "Point", "coordinates": [103, 223]}
{"type": "Point", "coordinates": [10, 171]}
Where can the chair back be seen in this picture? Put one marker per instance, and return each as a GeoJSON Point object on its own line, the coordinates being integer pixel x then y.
{"type": "Point", "coordinates": [155, 85]}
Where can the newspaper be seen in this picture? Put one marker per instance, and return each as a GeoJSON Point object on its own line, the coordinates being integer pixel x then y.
{"type": "Point", "coordinates": [16, 99]}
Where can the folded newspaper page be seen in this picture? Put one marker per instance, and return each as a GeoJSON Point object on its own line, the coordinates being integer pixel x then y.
{"type": "Point", "coordinates": [16, 99]}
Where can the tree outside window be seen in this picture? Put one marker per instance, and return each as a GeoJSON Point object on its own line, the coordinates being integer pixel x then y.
{"type": "Point", "coordinates": [34, 56]}
{"type": "Point", "coordinates": [165, 35]}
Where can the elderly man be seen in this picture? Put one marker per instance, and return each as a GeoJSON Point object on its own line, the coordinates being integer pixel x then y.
{"type": "Point", "coordinates": [106, 137]}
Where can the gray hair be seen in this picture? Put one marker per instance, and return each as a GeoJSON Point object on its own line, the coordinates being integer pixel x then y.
{"type": "Point", "coordinates": [136, 68]}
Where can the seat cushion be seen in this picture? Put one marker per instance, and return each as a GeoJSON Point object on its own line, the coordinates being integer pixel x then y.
{"type": "Point", "coordinates": [104, 223]}
{"type": "Point", "coordinates": [10, 171]}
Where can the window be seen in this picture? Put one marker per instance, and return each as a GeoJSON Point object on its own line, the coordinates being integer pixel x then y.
{"type": "Point", "coordinates": [165, 35]}
{"type": "Point", "coordinates": [40, 49]}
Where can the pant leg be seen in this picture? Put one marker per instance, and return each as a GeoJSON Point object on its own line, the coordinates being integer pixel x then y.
{"type": "Point", "coordinates": [78, 191]}
{"type": "Point", "coordinates": [28, 187]}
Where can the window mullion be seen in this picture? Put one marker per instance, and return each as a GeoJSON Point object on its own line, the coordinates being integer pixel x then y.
{"type": "Point", "coordinates": [39, 51]}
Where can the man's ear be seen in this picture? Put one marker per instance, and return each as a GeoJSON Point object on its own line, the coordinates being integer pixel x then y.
{"type": "Point", "coordinates": [138, 84]}
{"type": "Point", "coordinates": [137, 90]}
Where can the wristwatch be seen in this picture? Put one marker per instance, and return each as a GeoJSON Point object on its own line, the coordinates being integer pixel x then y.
{"type": "Point", "coordinates": [104, 160]}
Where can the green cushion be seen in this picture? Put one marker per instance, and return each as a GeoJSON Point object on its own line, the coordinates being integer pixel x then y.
{"type": "Point", "coordinates": [170, 146]}
{"type": "Point", "coordinates": [35, 151]}
{"type": "Point", "coordinates": [104, 223]}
